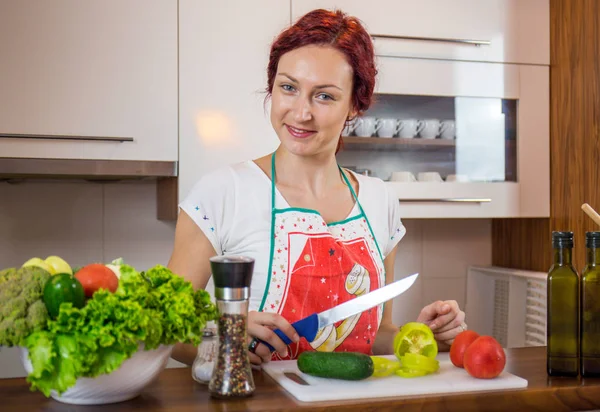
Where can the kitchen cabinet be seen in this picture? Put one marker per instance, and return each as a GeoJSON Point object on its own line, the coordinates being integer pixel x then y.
{"type": "Point", "coordinates": [457, 139]}
{"type": "Point", "coordinates": [93, 79]}
{"type": "Point", "coordinates": [223, 56]}
{"type": "Point", "coordinates": [509, 31]}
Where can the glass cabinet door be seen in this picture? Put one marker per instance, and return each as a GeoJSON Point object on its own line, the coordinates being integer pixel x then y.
{"type": "Point", "coordinates": [414, 138]}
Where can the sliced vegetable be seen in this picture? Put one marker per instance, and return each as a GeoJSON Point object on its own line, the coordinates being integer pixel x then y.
{"type": "Point", "coordinates": [62, 288]}
{"type": "Point", "coordinates": [383, 366]}
{"type": "Point", "coordinates": [420, 362]}
{"type": "Point", "coordinates": [417, 338]}
{"type": "Point", "coordinates": [410, 373]}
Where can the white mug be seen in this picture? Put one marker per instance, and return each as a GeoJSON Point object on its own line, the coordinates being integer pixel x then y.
{"type": "Point", "coordinates": [366, 126]}
{"type": "Point", "coordinates": [457, 178]}
{"type": "Point", "coordinates": [448, 129]}
{"type": "Point", "coordinates": [387, 127]}
{"type": "Point", "coordinates": [349, 127]}
{"type": "Point", "coordinates": [429, 177]}
{"type": "Point", "coordinates": [403, 177]}
{"type": "Point", "coordinates": [409, 128]}
{"type": "Point", "coordinates": [431, 129]}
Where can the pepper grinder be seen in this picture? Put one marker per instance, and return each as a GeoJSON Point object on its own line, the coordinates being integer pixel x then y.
{"type": "Point", "coordinates": [232, 374]}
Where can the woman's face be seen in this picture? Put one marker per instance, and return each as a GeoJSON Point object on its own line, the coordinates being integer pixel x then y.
{"type": "Point", "coordinates": [311, 99]}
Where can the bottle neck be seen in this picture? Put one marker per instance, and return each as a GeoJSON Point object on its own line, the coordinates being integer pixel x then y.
{"type": "Point", "coordinates": [563, 256]}
{"type": "Point", "coordinates": [593, 256]}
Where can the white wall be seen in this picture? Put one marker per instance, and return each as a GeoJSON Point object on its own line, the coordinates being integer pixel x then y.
{"type": "Point", "coordinates": [86, 222]}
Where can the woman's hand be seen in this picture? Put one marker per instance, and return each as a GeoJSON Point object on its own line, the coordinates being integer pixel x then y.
{"type": "Point", "coordinates": [445, 319]}
{"type": "Point", "coordinates": [261, 326]}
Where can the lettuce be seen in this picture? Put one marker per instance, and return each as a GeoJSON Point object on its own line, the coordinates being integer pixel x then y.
{"type": "Point", "coordinates": [150, 308]}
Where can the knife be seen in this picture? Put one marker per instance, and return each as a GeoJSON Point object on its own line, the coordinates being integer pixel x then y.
{"type": "Point", "coordinates": [310, 325]}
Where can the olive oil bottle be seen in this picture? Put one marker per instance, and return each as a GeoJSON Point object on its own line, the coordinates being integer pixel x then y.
{"type": "Point", "coordinates": [590, 308]}
{"type": "Point", "coordinates": [562, 326]}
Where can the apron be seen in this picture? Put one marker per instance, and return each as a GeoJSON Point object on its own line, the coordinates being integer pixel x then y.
{"type": "Point", "coordinates": [314, 266]}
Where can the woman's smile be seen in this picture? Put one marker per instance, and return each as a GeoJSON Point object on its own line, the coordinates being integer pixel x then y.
{"type": "Point", "coordinates": [299, 133]}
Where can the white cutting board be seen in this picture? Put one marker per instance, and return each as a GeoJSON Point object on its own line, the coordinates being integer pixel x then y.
{"type": "Point", "coordinates": [448, 379]}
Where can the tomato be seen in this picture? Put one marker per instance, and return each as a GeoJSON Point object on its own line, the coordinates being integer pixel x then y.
{"type": "Point", "coordinates": [60, 288]}
{"type": "Point", "coordinates": [97, 276]}
{"type": "Point", "coordinates": [460, 345]}
{"type": "Point", "coordinates": [484, 358]}
{"type": "Point", "coordinates": [415, 337]}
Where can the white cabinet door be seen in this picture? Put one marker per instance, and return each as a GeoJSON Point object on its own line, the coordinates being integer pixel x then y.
{"type": "Point", "coordinates": [89, 69]}
{"type": "Point", "coordinates": [224, 52]}
{"type": "Point", "coordinates": [513, 31]}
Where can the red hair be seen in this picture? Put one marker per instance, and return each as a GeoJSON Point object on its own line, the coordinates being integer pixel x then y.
{"type": "Point", "coordinates": [338, 30]}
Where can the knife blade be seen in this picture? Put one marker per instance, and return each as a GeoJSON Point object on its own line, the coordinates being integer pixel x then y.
{"type": "Point", "coordinates": [309, 326]}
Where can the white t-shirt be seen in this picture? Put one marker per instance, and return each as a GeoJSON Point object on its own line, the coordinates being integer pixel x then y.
{"type": "Point", "coordinates": [232, 207]}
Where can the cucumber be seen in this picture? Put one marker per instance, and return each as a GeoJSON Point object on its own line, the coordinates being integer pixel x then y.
{"type": "Point", "coordinates": [337, 365]}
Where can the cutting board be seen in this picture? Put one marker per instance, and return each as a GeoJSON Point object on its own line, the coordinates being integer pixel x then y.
{"type": "Point", "coordinates": [447, 380]}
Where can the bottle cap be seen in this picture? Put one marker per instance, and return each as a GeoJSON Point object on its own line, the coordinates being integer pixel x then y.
{"type": "Point", "coordinates": [592, 239]}
{"type": "Point", "coordinates": [562, 239]}
{"type": "Point", "coordinates": [232, 272]}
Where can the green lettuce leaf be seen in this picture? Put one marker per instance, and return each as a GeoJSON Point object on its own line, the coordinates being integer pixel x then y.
{"type": "Point", "coordinates": [148, 309]}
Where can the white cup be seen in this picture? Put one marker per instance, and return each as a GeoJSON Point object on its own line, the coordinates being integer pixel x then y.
{"type": "Point", "coordinates": [387, 127]}
{"type": "Point", "coordinates": [448, 129]}
{"type": "Point", "coordinates": [429, 177]}
{"type": "Point", "coordinates": [457, 178]}
{"type": "Point", "coordinates": [349, 127]}
{"type": "Point", "coordinates": [402, 177]}
{"type": "Point", "coordinates": [366, 126]}
{"type": "Point", "coordinates": [431, 129]}
{"type": "Point", "coordinates": [409, 128]}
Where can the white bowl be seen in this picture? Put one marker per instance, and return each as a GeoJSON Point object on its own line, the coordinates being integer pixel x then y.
{"type": "Point", "coordinates": [125, 383]}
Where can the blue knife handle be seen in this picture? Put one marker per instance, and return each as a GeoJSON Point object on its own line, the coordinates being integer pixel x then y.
{"type": "Point", "coordinates": [306, 327]}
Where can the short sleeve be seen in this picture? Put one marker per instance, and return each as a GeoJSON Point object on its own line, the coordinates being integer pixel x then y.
{"type": "Point", "coordinates": [211, 205]}
{"type": "Point", "coordinates": [396, 229]}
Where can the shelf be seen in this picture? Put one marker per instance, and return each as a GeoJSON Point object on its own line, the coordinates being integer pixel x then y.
{"type": "Point", "coordinates": [396, 143]}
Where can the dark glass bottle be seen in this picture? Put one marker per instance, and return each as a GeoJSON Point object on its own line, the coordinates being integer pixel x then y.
{"type": "Point", "coordinates": [562, 326]}
{"type": "Point", "coordinates": [590, 308]}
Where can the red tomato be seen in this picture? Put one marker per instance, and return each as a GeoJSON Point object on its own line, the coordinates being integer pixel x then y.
{"type": "Point", "coordinates": [462, 341]}
{"type": "Point", "coordinates": [97, 276]}
{"type": "Point", "coordinates": [484, 358]}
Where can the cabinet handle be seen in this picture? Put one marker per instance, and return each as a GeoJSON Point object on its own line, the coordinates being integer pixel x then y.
{"type": "Point", "coordinates": [449, 199]}
{"type": "Point", "coordinates": [436, 39]}
{"type": "Point", "coordinates": [65, 137]}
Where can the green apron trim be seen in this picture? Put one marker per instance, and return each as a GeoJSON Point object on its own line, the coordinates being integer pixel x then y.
{"type": "Point", "coordinates": [274, 211]}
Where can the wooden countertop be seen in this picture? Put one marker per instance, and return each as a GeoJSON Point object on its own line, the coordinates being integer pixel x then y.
{"type": "Point", "coordinates": [176, 391]}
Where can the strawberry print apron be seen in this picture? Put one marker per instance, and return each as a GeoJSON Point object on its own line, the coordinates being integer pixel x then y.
{"type": "Point", "coordinates": [315, 266]}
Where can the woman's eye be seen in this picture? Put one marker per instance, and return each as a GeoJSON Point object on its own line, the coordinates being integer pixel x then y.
{"type": "Point", "coordinates": [323, 96]}
{"type": "Point", "coordinates": [287, 87]}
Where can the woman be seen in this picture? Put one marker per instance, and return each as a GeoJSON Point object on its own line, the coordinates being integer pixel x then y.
{"type": "Point", "coordinates": [320, 235]}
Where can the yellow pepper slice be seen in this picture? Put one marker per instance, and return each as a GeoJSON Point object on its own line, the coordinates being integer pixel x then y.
{"type": "Point", "coordinates": [383, 366]}
{"type": "Point", "coordinates": [420, 362]}
{"type": "Point", "coordinates": [410, 373]}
